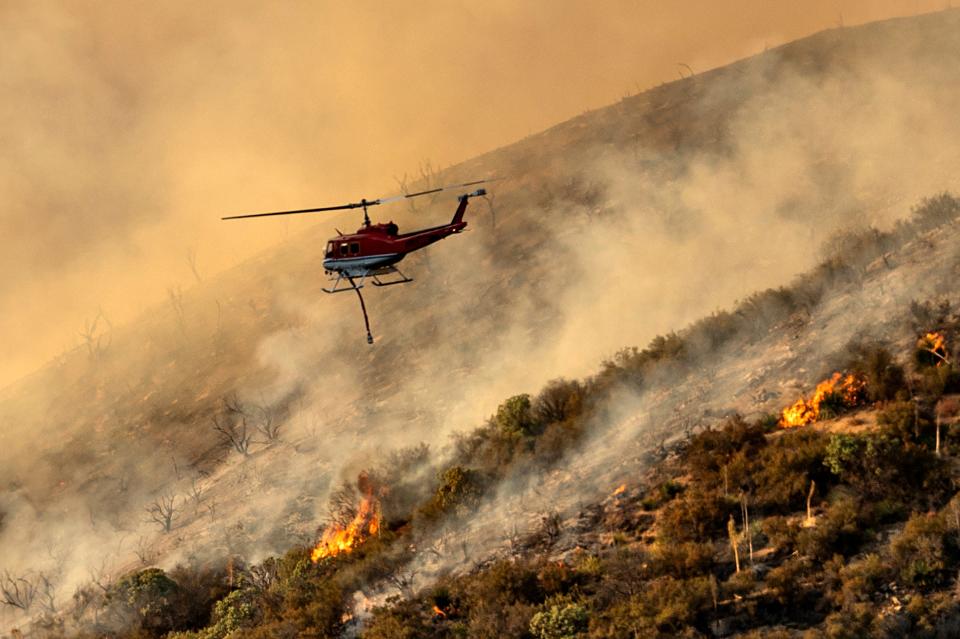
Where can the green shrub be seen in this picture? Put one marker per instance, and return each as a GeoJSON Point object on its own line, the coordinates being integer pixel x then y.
{"type": "Point", "coordinates": [740, 584]}
{"type": "Point", "coordinates": [903, 420]}
{"type": "Point", "coordinates": [682, 559]}
{"type": "Point", "coordinates": [855, 622]}
{"type": "Point", "coordinates": [146, 598]}
{"type": "Point", "coordinates": [560, 621]}
{"type": "Point", "coordinates": [666, 607]}
{"type": "Point", "coordinates": [935, 211]}
{"type": "Point", "coordinates": [783, 470]}
{"type": "Point", "coordinates": [839, 531]}
{"type": "Point", "coordinates": [696, 515]}
{"type": "Point", "coordinates": [234, 612]}
{"type": "Point", "coordinates": [923, 553]}
{"type": "Point", "coordinates": [842, 454]}
{"type": "Point", "coordinates": [515, 416]}
{"type": "Point", "coordinates": [460, 490]}
{"type": "Point", "coordinates": [880, 466]}
{"type": "Point", "coordinates": [861, 580]}
{"type": "Point", "coordinates": [781, 531]}
{"type": "Point", "coordinates": [786, 581]}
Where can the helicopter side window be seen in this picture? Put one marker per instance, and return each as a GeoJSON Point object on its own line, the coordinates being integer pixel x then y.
{"type": "Point", "coordinates": [343, 249]}
{"type": "Point", "coordinates": [354, 248]}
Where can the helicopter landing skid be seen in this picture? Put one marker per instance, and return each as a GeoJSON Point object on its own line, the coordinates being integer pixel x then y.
{"type": "Point", "coordinates": [353, 286]}
{"type": "Point", "coordinates": [390, 270]}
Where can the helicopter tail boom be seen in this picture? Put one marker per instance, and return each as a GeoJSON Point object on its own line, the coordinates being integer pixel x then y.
{"type": "Point", "coordinates": [461, 209]}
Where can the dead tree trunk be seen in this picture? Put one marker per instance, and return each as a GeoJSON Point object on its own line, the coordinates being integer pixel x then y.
{"type": "Point", "coordinates": [732, 531]}
{"type": "Point", "coordinates": [813, 486]}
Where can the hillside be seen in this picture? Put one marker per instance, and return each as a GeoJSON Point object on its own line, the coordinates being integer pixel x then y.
{"type": "Point", "coordinates": [619, 225]}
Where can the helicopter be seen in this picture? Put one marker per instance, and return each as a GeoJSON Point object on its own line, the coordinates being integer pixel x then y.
{"type": "Point", "coordinates": [375, 249]}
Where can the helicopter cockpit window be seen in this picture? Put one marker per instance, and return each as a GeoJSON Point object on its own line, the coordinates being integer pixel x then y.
{"type": "Point", "coordinates": [354, 248]}
{"type": "Point", "coordinates": [329, 249]}
{"type": "Point", "coordinates": [343, 249]}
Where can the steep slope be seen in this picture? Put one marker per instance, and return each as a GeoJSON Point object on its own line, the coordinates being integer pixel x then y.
{"type": "Point", "coordinates": [613, 227]}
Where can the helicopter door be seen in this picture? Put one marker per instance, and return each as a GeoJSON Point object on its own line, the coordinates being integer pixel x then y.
{"type": "Point", "coordinates": [343, 250]}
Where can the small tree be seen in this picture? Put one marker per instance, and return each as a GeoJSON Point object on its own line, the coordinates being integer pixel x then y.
{"type": "Point", "coordinates": [233, 427]}
{"type": "Point", "coordinates": [18, 591]}
{"type": "Point", "coordinates": [558, 400]}
{"type": "Point", "coordinates": [175, 295]}
{"type": "Point", "coordinates": [268, 424]}
{"type": "Point", "coordinates": [515, 416]}
{"type": "Point", "coordinates": [95, 337]}
{"type": "Point", "coordinates": [560, 621]}
{"type": "Point", "coordinates": [163, 512]}
{"type": "Point", "coordinates": [192, 263]}
{"type": "Point", "coordinates": [147, 598]}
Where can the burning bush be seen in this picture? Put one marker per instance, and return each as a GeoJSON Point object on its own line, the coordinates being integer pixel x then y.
{"type": "Point", "coordinates": [831, 397]}
{"type": "Point", "coordinates": [342, 537]}
{"type": "Point", "coordinates": [932, 349]}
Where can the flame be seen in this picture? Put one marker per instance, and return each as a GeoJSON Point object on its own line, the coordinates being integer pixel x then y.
{"type": "Point", "coordinates": [619, 490]}
{"type": "Point", "coordinates": [849, 388]}
{"type": "Point", "coordinates": [438, 612]}
{"type": "Point", "coordinates": [338, 538]}
{"type": "Point", "coordinates": [936, 344]}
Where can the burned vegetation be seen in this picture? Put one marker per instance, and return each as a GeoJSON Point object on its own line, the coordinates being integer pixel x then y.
{"type": "Point", "coordinates": [835, 516]}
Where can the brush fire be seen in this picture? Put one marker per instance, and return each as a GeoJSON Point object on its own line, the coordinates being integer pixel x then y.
{"type": "Point", "coordinates": [343, 538]}
{"type": "Point", "coordinates": [831, 396]}
{"type": "Point", "coordinates": [936, 345]}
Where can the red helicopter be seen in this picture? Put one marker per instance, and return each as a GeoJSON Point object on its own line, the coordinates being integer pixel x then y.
{"type": "Point", "coordinates": [375, 249]}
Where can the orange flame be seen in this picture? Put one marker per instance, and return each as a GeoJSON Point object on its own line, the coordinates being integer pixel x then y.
{"type": "Point", "coordinates": [936, 344]}
{"type": "Point", "coordinates": [619, 490]}
{"type": "Point", "coordinates": [438, 612]}
{"type": "Point", "coordinates": [847, 389]}
{"type": "Point", "coordinates": [338, 538]}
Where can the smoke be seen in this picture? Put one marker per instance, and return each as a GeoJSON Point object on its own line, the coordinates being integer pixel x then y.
{"type": "Point", "coordinates": [614, 227]}
{"type": "Point", "coordinates": [130, 129]}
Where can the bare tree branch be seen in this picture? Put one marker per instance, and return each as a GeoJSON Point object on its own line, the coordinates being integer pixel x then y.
{"type": "Point", "coordinates": [268, 425]}
{"type": "Point", "coordinates": [192, 262]}
{"type": "Point", "coordinates": [94, 335]}
{"type": "Point", "coordinates": [163, 511]}
{"type": "Point", "coordinates": [233, 427]}
{"type": "Point", "coordinates": [18, 592]}
{"type": "Point", "coordinates": [175, 295]}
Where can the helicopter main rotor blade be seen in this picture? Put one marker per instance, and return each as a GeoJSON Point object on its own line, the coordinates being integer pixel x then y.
{"type": "Point", "coordinates": [354, 205]}
{"type": "Point", "coordinates": [406, 196]}
{"type": "Point", "coordinates": [362, 203]}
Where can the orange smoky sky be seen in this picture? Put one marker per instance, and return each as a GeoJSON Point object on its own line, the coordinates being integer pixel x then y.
{"type": "Point", "coordinates": [129, 127]}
